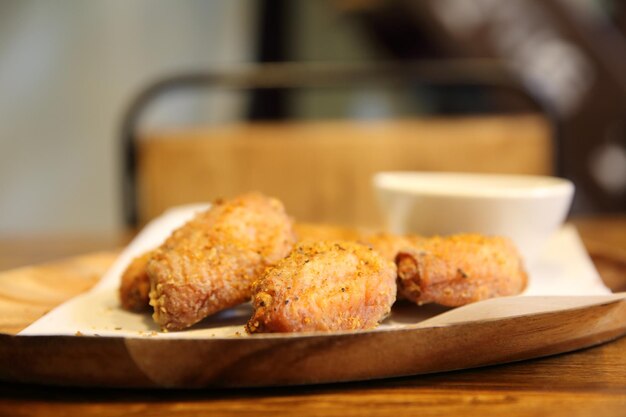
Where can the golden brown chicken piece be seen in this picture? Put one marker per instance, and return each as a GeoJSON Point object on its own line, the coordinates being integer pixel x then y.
{"type": "Point", "coordinates": [324, 286]}
{"type": "Point", "coordinates": [209, 264]}
{"type": "Point", "coordinates": [387, 244]}
{"type": "Point", "coordinates": [460, 269]}
{"type": "Point", "coordinates": [135, 287]}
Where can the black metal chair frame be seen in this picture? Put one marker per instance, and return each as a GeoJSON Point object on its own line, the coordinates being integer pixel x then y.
{"type": "Point", "coordinates": [488, 74]}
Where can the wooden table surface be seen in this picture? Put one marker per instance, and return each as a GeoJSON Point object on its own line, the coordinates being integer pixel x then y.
{"type": "Point", "coordinates": [586, 382]}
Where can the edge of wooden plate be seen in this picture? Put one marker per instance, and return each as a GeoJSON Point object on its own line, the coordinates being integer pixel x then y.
{"type": "Point", "coordinates": [323, 358]}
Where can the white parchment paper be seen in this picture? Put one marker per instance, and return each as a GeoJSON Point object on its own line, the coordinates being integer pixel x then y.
{"type": "Point", "coordinates": [563, 269]}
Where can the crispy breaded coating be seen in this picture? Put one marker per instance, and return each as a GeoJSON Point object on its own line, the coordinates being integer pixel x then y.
{"type": "Point", "coordinates": [460, 269]}
{"type": "Point", "coordinates": [324, 286]}
{"type": "Point", "coordinates": [386, 244]}
{"type": "Point", "coordinates": [135, 287]}
{"type": "Point", "coordinates": [209, 264]}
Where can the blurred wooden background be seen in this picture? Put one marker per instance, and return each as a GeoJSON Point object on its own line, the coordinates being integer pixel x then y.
{"type": "Point", "coordinates": [322, 170]}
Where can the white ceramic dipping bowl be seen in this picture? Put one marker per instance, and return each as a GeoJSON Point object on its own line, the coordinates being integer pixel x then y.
{"type": "Point", "coordinates": [527, 209]}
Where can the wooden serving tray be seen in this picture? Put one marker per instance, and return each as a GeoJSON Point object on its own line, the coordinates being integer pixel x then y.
{"type": "Point", "coordinates": [556, 325]}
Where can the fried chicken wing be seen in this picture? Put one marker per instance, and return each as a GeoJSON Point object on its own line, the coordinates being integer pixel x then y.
{"type": "Point", "coordinates": [209, 264]}
{"type": "Point", "coordinates": [460, 269]}
{"type": "Point", "coordinates": [324, 286]}
{"type": "Point", "coordinates": [135, 287]}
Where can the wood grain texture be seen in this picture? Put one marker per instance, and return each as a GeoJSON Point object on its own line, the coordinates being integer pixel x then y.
{"type": "Point", "coordinates": [28, 293]}
{"type": "Point", "coordinates": [364, 400]}
{"type": "Point", "coordinates": [322, 170]}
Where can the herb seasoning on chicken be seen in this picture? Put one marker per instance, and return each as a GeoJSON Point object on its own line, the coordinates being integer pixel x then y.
{"type": "Point", "coordinates": [324, 286]}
